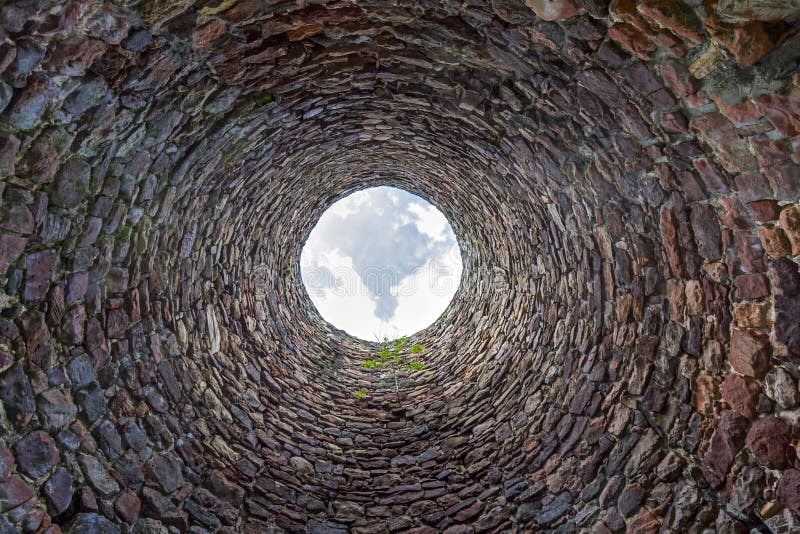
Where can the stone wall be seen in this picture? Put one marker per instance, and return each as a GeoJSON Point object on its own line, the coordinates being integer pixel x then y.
{"type": "Point", "coordinates": [623, 179]}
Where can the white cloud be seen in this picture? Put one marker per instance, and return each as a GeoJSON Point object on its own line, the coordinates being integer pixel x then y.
{"type": "Point", "coordinates": [381, 262]}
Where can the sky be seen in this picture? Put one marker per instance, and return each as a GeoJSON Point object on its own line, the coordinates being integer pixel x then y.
{"type": "Point", "coordinates": [381, 263]}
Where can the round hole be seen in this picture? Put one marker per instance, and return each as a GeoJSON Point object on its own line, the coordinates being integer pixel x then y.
{"type": "Point", "coordinates": [381, 263]}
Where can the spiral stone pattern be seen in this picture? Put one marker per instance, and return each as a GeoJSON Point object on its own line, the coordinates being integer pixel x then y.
{"type": "Point", "coordinates": [623, 352]}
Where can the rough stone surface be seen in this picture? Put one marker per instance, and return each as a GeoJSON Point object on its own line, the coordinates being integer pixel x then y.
{"type": "Point", "coordinates": [36, 454]}
{"type": "Point", "coordinates": [768, 440]}
{"type": "Point", "coordinates": [623, 179]}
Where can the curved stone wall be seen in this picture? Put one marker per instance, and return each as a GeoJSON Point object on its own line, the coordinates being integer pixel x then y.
{"type": "Point", "coordinates": [623, 179]}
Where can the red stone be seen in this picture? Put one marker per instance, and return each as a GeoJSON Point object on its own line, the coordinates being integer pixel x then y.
{"type": "Point", "coordinates": [678, 78]}
{"type": "Point", "coordinates": [711, 176]}
{"type": "Point", "coordinates": [769, 152]}
{"type": "Point", "coordinates": [749, 252]}
{"type": "Point", "coordinates": [718, 132]}
{"type": "Point", "coordinates": [750, 353]}
{"type": "Point", "coordinates": [128, 506]}
{"type": "Point", "coordinates": [747, 42]}
{"type": "Point", "coordinates": [669, 238]}
{"type": "Point", "coordinates": [790, 222]}
{"type": "Point", "coordinates": [785, 181]}
{"type": "Point", "coordinates": [205, 35]}
{"type": "Point", "coordinates": [741, 394]}
{"type": "Point", "coordinates": [630, 38]}
{"type": "Point", "coordinates": [751, 286]}
{"type": "Point", "coordinates": [764, 210]}
{"type": "Point", "coordinates": [726, 442]}
{"type": "Point", "coordinates": [675, 16]}
{"type": "Point", "coordinates": [116, 323]}
{"type": "Point", "coordinates": [743, 112]}
{"type": "Point", "coordinates": [781, 111]}
{"type": "Point", "coordinates": [645, 522]}
{"type": "Point", "coordinates": [768, 440]}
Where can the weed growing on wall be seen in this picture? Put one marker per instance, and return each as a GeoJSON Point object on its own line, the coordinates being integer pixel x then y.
{"type": "Point", "coordinates": [394, 360]}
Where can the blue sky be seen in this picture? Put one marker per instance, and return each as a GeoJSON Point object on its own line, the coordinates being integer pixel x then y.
{"type": "Point", "coordinates": [381, 263]}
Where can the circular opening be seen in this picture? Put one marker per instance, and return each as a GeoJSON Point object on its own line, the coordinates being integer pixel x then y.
{"type": "Point", "coordinates": [381, 263]}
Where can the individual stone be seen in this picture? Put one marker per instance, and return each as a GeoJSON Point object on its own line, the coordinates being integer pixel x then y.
{"type": "Point", "coordinates": [224, 489]}
{"type": "Point", "coordinates": [77, 284]}
{"type": "Point", "coordinates": [165, 471]}
{"type": "Point", "coordinates": [58, 490]}
{"type": "Point", "coordinates": [57, 408]}
{"type": "Point", "coordinates": [11, 248]}
{"type": "Point", "coordinates": [741, 394]}
{"type": "Point", "coordinates": [86, 96]}
{"type": "Point", "coordinates": [18, 219]}
{"type": "Point", "coordinates": [782, 388]}
{"type": "Point", "coordinates": [347, 511]}
{"type": "Point", "coordinates": [727, 441]}
{"type": "Point", "coordinates": [630, 499]}
{"type": "Point", "coordinates": [785, 280]}
{"type": "Point", "coordinates": [36, 454]}
{"type": "Point", "coordinates": [302, 466]}
{"type": "Point", "coordinates": [764, 210]}
{"type": "Point", "coordinates": [27, 109]}
{"type": "Point", "coordinates": [92, 524]}
{"type": "Point", "coordinates": [156, 505]}
{"type": "Point", "coordinates": [645, 522]}
{"type": "Point", "coordinates": [72, 325]}
{"type": "Point", "coordinates": [128, 506]}
{"type": "Point", "coordinates": [93, 402]}
{"type": "Point", "coordinates": [750, 352]}
{"type": "Point", "coordinates": [16, 394]}
{"type": "Point", "coordinates": [97, 475]}
{"type": "Point", "coordinates": [790, 223]}
{"type": "Point", "coordinates": [706, 231]}
{"type": "Point", "coordinates": [80, 371]}
{"type": "Point", "coordinates": [38, 271]}
{"type": "Point", "coordinates": [13, 492]}
{"type": "Point", "coordinates": [555, 509]}
{"type": "Point", "coordinates": [768, 440]}
{"type": "Point", "coordinates": [71, 184]}
{"type": "Point", "coordinates": [774, 241]}
{"type": "Point", "coordinates": [751, 286]}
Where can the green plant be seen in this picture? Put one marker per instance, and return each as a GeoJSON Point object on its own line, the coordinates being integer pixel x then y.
{"type": "Point", "coordinates": [287, 271]}
{"type": "Point", "coordinates": [361, 393]}
{"type": "Point", "coordinates": [264, 99]}
{"type": "Point", "coordinates": [393, 361]}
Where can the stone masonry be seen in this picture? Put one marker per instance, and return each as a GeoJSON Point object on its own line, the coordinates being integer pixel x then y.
{"type": "Point", "coordinates": [623, 177]}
